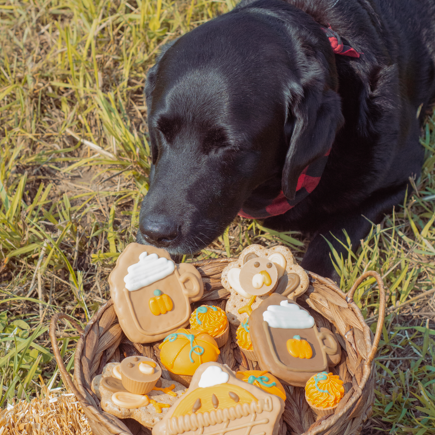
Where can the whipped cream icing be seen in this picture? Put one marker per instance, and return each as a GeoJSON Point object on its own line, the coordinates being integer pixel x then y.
{"type": "Point", "coordinates": [148, 270]}
{"type": "Point", "coordinates": [287, 316]}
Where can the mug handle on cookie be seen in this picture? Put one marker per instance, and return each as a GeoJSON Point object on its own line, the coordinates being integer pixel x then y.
{"type": "Point", "coordinates": [331, 348]}
{"type": "Point", "coordinates": [191, 293]}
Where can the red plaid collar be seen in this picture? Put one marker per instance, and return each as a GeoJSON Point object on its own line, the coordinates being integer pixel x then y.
{"type": "Point", "coordinates": [337, 44]}
{"type": "Point", "coordinates": [311, 175]}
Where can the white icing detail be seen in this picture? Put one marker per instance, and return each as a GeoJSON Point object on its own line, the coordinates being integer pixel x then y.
{"type": "Point", "coordinates": [234, 280]}
{"type": "Point", "coordinates": [287, 316]}
{"type": "Point", "coordinates": [129, 400]}
{"type": "Point", "coordinates": [146, 369]}
{"type": "Point", "coordinates": [280, 262]}
{"type": "Point", "coordinates": [257, 280]}
{"type": "Point", "coordinates": [116, 372]}
{"type": "Point", "coordinates": [148, 270]}
{"type": "Point", "coordinates": [212, 376]}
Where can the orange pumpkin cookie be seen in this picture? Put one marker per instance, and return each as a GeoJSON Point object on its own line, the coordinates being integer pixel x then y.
{"type": "Point", "coordinates": [323, 393]}
{"type": "Point", "coordinates": [213, 321]}
{"type": "Point", "coordinates": [263, 380]}
{"type": "Point", "coordinates": [185, 350]}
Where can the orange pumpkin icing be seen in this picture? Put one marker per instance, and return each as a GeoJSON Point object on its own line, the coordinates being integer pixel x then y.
{"type": "Point", "coordinates": [209, 319]}
{"type": "Point", "coordinates": [185, 350]}
{"type": "Point", "coordinates": [324, 390]}
{"type": "Point", "coordinates": [263, 380]}
{"type": "Point", "coordinates": [243, 336]}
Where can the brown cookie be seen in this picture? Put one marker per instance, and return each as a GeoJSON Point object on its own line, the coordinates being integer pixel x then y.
{"type": "Point", "coordinates": [218, 403]}
{"type": "Point", "coordinates": [288, 343]}
{"type": "Point", "coordinates": [152, 294]}
{"type": "Point", "coordinates": [275, 264]}
{"type": "Point", "coordinates": [104, 386]}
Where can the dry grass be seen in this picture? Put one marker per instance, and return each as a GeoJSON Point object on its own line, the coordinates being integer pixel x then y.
{"type": "Point", "coordinates": [73, 170]}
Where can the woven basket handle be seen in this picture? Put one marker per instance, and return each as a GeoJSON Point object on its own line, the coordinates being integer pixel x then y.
{"type": "Point", "coordinates": [65, 375]}
{"type": "Point", "coordinates": [349, 298]}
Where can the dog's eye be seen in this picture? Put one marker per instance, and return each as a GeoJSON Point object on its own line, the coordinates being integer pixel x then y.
{"type": "Point", "coordinates": [214, 138]}
{"type": "Point", "coordinates": [256, 264]}
{"type": "Point", "coordinates": [168, 127]}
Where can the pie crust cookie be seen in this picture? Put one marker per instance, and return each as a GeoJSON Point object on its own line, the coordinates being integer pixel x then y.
{"type": "Point", "coordinates": [218, 403]}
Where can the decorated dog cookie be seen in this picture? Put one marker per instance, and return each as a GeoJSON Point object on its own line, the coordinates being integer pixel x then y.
{"type": "Point", "coordinates": [288, 343]}
{"type": "Point", "coordinates": [258, 273]}
{"type": "Point", "coordinates": [151, 293]}
{"type": "Point", "coordinates": [218, 403]}
{"type": "Point", "coordinates": [146, 409]}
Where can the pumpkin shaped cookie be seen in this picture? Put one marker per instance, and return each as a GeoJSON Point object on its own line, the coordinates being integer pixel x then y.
{"type": "Point", "coordinates": [151, 293]}
{"type": "Point", "coordinates": [258, 273]}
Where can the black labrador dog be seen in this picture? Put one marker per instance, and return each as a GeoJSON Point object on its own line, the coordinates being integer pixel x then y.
{"type": "Point", "coordinates": [261, 111]}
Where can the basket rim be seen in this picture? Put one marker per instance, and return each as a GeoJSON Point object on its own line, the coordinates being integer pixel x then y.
{"type": "Point", "coordinates": [99, 416]}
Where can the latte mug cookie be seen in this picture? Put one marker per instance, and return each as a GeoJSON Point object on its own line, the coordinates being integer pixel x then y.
{"type": "Point", "coordinates": [217, 402]}
{"type": "Point", "coordinates": [184, 351]}
{"type": "Point", "coordinates": [323, 393]}
{"type": "Point", "coordinates": [139, 374]}
{"type": "Point", "coordinates": [288, 343]}
{"type": "Point", "coordinates": [213, 321]}
{"type": "Point", "coordinates": [244, 340]}
{"type": "Point", "coordinates": [151, 294]}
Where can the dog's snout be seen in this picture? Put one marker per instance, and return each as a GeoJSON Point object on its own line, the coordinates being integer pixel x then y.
{"type": "Point", "coordinates": [159, 230]}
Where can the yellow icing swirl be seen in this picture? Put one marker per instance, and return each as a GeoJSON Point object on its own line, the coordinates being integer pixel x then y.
{"type": "Point", "coordinates": [243, 336]}
{"type": "Point", "coordinates": [324, 390]}
{"type": "Point", "coordinates": [209, 319]}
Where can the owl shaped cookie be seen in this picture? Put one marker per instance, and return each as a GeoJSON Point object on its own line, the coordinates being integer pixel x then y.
{"type": "Point", "coordinates": [258, 273]}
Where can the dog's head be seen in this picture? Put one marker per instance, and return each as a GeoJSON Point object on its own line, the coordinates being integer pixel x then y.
{"type": "Point", "coordinates": [234, 103]}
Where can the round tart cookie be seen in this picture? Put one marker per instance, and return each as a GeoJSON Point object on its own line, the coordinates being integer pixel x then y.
{"type": "Point", "coordinates": [213, 321]}
{"type": "Point", "coordinates": [185, 350]}
{"type": "Point", "coordinates": [139, 374]}
{"type": "Point", "coordinates": [263, 380]}
{"type": "Point", "coordinates": [244, 340]}
{"type": "Point", "coordinates": [323, 393]}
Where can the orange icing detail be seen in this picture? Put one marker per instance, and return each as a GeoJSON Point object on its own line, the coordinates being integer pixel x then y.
{"type": "Point", "coordinates": [167, 390]}
{"type": "Point", "coordinates": [161, 304]}
{"type": "Point", "coordinates": [205, 394]}
{"type": "Point", "coordinates": [299, 348]}
{"type": "Point", "coordinates": [176, 354]}
{"type": "Point", "coordinates": [158, 406]}
{"type": "Point", "coordinates": [150, 363]}
{"type": "Point", "coordinates": [214, 321]}
{"type": "Point", "coordinates": [248, 307]}
{"type": "Point", "coordinates": [244, 338]}
{"type": "Point", "coordinates": [267, 278]}
{"type": "Point", "coordinates": [333, 384]}
{"type": "Point", "coordinates": [277, 390]}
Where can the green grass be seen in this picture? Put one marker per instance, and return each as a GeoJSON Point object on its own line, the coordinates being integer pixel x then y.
{"type": "Point", "coordinates": [73, 170]}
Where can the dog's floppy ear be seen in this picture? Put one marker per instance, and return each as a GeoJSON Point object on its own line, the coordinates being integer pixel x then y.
{"type": "Point", "coordinates": [312, 122]}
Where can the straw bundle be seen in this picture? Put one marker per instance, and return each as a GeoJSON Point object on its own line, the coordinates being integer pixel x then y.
{"type": "Point", "coordinates": [103, 341]}
{"type": "Point", "coordinates": [52, 414]}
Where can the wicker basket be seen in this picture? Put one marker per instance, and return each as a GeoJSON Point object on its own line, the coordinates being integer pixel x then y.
{"type": "Point", "coordinates": [103, 341]}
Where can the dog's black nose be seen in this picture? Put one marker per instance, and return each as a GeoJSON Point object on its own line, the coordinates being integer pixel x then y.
{"type": "Point", "coordinates": [159, 231]}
